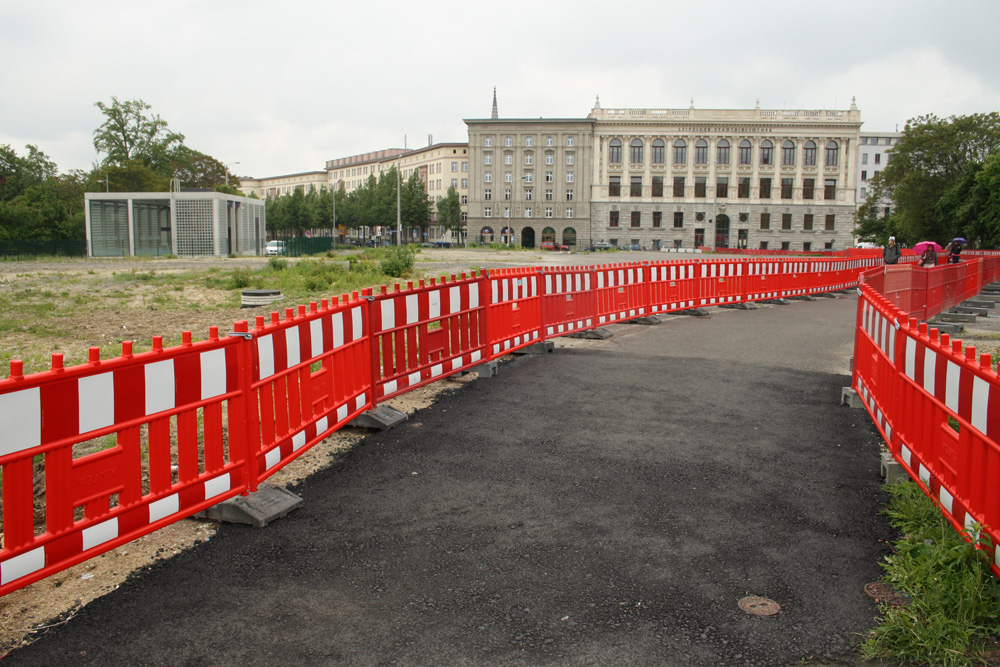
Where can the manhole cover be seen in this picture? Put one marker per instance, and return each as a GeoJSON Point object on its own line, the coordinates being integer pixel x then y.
{"type": "Point", "coordinates": [885, 593]}
{"type": "Point", "coordinates": [758, 606]}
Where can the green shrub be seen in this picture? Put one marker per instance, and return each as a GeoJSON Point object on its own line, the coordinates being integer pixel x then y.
{"type": "Point", "coordinates": [241, 278]}
{"type": "Point", "coordinates": [398, 261]}
{"type": "Point", "coordinates": [276, 264]}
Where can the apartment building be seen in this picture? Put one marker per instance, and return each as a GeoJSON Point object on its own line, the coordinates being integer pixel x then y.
{"type": "Point", "coordinates": [873, 156]}
{"type": "Point", "coordinates": [680, 178]}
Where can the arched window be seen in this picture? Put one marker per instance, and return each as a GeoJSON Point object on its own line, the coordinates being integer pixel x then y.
{"type": "Point", "coordinates": [745, 155]}
{"type": "Point", "coordinates": [569, 237]}
{"type": "Point", "coordinates": [809, 154]}
{"type": "Point", "coordinates": [549, 141]}
{"type": "Point", "coordinates": [658, 152]}
{"type": "Point", "coordinates": [635, 152]}
{"type": "Point", "coordinates": [701, 152]}
{"type": "Point", "coordinates": [788, 153]}
{"type": "Point", "coordinates": [486, 235]}
{"type": "Point", "coordinates": [549, 235]}
{"type": "Point", "coordinates": [831, 154]}
{"type": "Point", "coordinates": [615, 151]}
{"type": "Point", "coordinates": [508, 141]}
{"type": "Point", "coordinates": [722, 152]}
{"type": "Point", "coordinates": [766, 152]}
{"type": "Point", "coordinates": [680, 151]}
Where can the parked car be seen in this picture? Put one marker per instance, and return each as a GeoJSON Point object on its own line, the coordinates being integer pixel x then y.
{"type": "Point", "coordinates": [549, 245]}
{"type": "Point", "coordinates": [603, 245]}
{"type": "Point", "coordinates": [274, 248]}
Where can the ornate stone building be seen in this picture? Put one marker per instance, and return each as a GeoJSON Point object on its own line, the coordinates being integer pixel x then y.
{"type": "Point", "coordinates": [754, 178]}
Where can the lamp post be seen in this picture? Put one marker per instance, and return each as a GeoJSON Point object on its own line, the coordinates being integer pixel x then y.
{"type": "Point", "coordinates": [107, 187]}
{"type": "Point", "coordinates": [336, 186]}
{"type": "Point", "coordinates": [227, 171]}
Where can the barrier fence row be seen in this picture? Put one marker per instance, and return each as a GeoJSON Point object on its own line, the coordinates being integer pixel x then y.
{"type": "Point", "coordinates": [98, 454]}
{"type": "Point", "coordinates": [935, 402]}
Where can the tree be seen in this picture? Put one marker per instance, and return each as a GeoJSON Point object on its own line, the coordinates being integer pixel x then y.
{"type": "Point", "coordinates": [20, 172]}
{"type": "Point", "coordinates": [449, 211]}
{"type": "Point", "coordinates": [414, 206]}
{"type": "Point", "coordinates": [128, 177]}
{"type": "Point", "coordinates": [130, 135]}
{"type": "Point", "coordinates": [933, 156]}
{"type": "Point", "coordinates": [194, 169]}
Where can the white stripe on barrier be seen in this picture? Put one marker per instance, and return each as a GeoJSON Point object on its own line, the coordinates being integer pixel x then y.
{"type": "Point", "coordinates": [315, 338]}
{"type": "Point", "coordinates": [299, 439]}
{"type": "Point", "coordinates": [293, 355]}
{"type": "Point", "coordinates": [412, 308]}
{"type": "Point", "coordinates": [434, 303]}
{"type": "Point", "coordinates": [388, 314]}
{"type": "Point", "coordinates": [159, 377]}
{"type": "Point", "coordinates": [437, 370]}
{"type": "Point", "coordinates": [390, 387]}
{"type": "Point", "coordinates": [213, 373]}
{"type": "Point", "coordinates": [356, 324]}
{"type": "Point", "coordinates": [930, 364]}
{"type": "Point", "coordinates": [951, 387]}
{"type": "Point", "coordinates": [980, 403]}
{"type": "Point", "coordinates": [265, 356]}
{"type": "Point", "coordinates": [217, 485]}
{"type": "Point", "coordinates": [911, 358]}
{"type": "Point", "coordinates": [341, 413]}
{"type": "Point", "coordinates": [455, 297]}
{"type": "Point", "coordinates": [164, 507]}
{"type": "Point", "coordinates": [946, 499]}
{"type": "Point", "coordinates": [272, 458]}
{"type": "Point", "coordinates": [14, 568]}
{"type": "Point", "coordinates": [414, 378]}
{"type": "Point", "coordinates": [100, 533]}
{"type": "Point", "coordinates": [338, 330]}
{"type": "Point", "coordinates": [97, 397]}
{"type": "Point", "coordinates": [322, 424]}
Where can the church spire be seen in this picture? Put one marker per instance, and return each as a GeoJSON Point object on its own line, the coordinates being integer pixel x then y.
{"type": "Point", "coordinates": [496, 114]}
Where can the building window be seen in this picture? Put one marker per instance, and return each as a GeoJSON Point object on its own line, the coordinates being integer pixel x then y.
{"type": "Point", "coordinates": [828, 245]}
{"type": "Point", "coordinates": [569, 176]}
{"type": "Point", "coordinates": [548, 177]}
{"type": "Point", "coordinates": [864, 158]}
{"type": "Point", "coordinates": [831, 220]}
{"type": "Point", "coordinates": [658, 151]}
{"type": "Point", "coordinates": [454, 166]}
{"type": "Point", "coordinates": [548, 211]}
{"type": "Point", "coordinates": [465, 166]}
{"type": "Point", "coordinates": [700, 186]}
{"type": "Point", "coordinates": [615, 151]}
{"type": "Point", "coordinates": [786, 221]}
{"type": "Point", "coordinates": [765, 188]}
{"type": "Point", "coordinates": [508, 177]}
{"type": "Point", "coordinates": [745, 152]}
{"type": "Point", "coordinates": [680, 151]}
{"type": "Point", "coordinates": [488, 176]}
{"type": "Point", "coordinates": [701, 152]}
{"type": "Point", "coordinates": [786, 188]}
{"type": "Point", "coordinates": [548, 194]}
{"type": "Point", "coordinates": [465, 183]}
{"type": "Point", "coordinates": [529, 158]}
{"type": "Point", "coordinates": [487, 211]}
{"type": "Point", "coordinates": [527, 211]}
{"type": "Point", "coordinates": [763, 245]}
{"type": "Point", "coordinates": [678, 219]}
{"type": "Point", "coordinates": [508, 158]}
{"type": "Point", "coordinates": [808, 186]}
{"type": "Point", "coordinates": [613, 219]}
{"type": "Point", "coordinates": [788, 153]}
{"type": "Point", "coordinates": [635, 151]}
{"type": "Point", "coordinates": [506, 194]}
{"type": "Point", "coordinates": [529, 194]}
{"type": "Point", "coordinates": [506, 211]}
{"type": "Point", "coordinates": [864, 193]}
{"type": "Point", "coordinates": [489, 141]}
{"type": "Point", "coordinates": [765, 220]}
{"type": "Point", "coordinates": [657, 219]}
{"type": "Point", "coordinates": [570, 141]}
{"type": "Point", "coordinates": [548, 141]}
{"type": "Point", "coordinates": [529, 141]}
{"type": "Point", "coordinates": [529, 177]}
{"type": "Point", "coordinates": [636, 218]}
{"type": "Point", "coordinates": [657, 186]}
{"type": "Point", "coordinates": [487, 158]}
{"type": "Point", "coordinates": [878, 158]}
{"type": "Point", "coordinates": [678, 186]}
{"type": "Point", "coordinates": [831, 154]}
{"type": "Point", "coordinates": [550, 158]}
{"type": "Point", "coordinates": [488, 194]}
{"type": "Point", "coordinates": [570, 157]}
{"type": "Point", "coordinates": [743, 188]}
{"type": "Point", "coordinates": [786, 245]}
{"type": "Point", "coordinates": [864, 175]}
{"type": "Point", "coordinates": [569, 194]}
{"type": "Point", "coordinates": [809, 154]}
{"type": "Point", "coordinates": [807, 222]}
{"type": "Point", "coordinates": [722, 187]}
{"type": "Point", "coordinates": [830, 190]}
{"type": "Point", "coordinates": [635, 187]}
{"type": "Point", "coordinates": [508, 141]}
{"type": "Point", "coordinates": [722, 152]}
{"type": "Point", "coordinates": [766, 152]}
{"type": "Point", "coordinates": [569, 211]}
{"type": "Point", "coordinates": [615, 186]}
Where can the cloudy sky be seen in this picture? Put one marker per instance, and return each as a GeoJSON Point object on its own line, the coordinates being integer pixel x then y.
{"type": "Point", "coordinates": [280, 87]}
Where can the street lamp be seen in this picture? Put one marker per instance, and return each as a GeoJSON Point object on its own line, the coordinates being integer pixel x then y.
{"type": "Point", "coordinates": [227, 171]}
{"type": "Point", "coordinates": [107, 187]}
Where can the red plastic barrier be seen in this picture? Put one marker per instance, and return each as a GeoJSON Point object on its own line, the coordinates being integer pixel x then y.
{"type": "Point", "coordinates": [622, 292]}
{"type": "Point", "coordinates": [80, 433]}
{"type": "Point", "coordinates": [424, 333]}
{"type": "Point", "coordinates": [764, 279]}
{"type": "Point", "coordinates": [514, 314]}
{"type": "Point", "coordinates": [311, 375]}
{"type": "Point", "coordinates": [673, 285]}
{"type": "Point", "coordinates": [721, 282]}
{"type": "Point", "coordinates": [568, 300]}
{"type": "Point", "coordinates": [938, 409]}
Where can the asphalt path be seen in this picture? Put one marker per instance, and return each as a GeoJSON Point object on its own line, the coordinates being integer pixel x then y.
{"type": "Point", "coordinates": [608, 503]}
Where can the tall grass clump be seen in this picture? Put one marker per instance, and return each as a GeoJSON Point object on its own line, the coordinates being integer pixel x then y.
{"type": "Point", "coordinates": [953, 616]}
{"type": "Point", "coordinates": [398, 261]}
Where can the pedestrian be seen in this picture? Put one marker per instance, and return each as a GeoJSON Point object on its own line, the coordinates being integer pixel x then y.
{"type": "Point", "coordinates": [929, 258]}
{"type": "Point", "coordinates": [891, 253]}
{"type": "Point", "coordinates": [954, 250]}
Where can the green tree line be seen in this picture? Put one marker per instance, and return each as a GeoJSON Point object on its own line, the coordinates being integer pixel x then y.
{"type": "Point", "coordinates": [943, 179]}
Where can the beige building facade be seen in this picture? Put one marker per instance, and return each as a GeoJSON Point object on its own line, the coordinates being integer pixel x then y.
{"type": "Point", "coordinates": [676, 178]}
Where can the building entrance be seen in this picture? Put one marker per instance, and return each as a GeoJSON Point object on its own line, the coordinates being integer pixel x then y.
{"type": "Point", "coordinates": [527, 237]}
{"type": "Point", "coordinates": [722, 231]}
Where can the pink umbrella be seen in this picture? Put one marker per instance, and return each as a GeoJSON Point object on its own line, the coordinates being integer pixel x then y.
{"type": "Point", "coordinates": [919, 248]}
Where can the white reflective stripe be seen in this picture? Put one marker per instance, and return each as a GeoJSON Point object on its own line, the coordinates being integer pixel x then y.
{"type": "Point", "coordinates": [473, 289]}
{"type": "Point", "coordinates": [924, 474]}
{"type": "Point", "coordinates": [159, 386]}
{"type": "Point", "coordinates": [930, 364]}
{"type": "Point", "coordinates": [495, 286]}
{"type": "Point", "coordinates": [951, 387]}
{"type": "Point", "coordinates": [99, 534]}
{"type": "Point", "coordinates": [272, 458]}
{"type": "Point", "coordinates": [293, 354]}
{"type": "Point", "coordinates": [97, 397]}
{"type": "Point", "coordinates": [341, 413]}
{"type": "Point", "coordinates": [476, 356]}
{"type": "Point", "coordinates": [548, 283]}
{"type": "Point", "coordinates": [980, 404]}
{"type": "Point", "coordinates": [360, 400]}
{"type": "Point", "coordinates": [946, 499]}
{"type": "Point", "coordinates": [412, 308]}
{"type": "Point", "coordinates": [14, 568]}
{"type": "Point", "coordinates": [559, 282]}
{"type": "Point", "coordinates": [534, 286]}
{"type": "Point", "coordinates": [455, 298]}
{"type": "Point", "coordinates": [911, 358]}
{"type": "Point", "coordinates": [356, 324]}
{"type": "Point", "coordinates": [321, 425]}
{"type": "Point", "coordinates": [299, 439]}
{"type": "Point", "coordinates": [414, 378]}
{"type": "Point", "coordinates": [456, 363]}
{"type": "Point", "coordinates": [905, 452]}
{"type": "Point", "coordinates": [338, 330]}
{"type": "Point", "coordinates": [434, 304]}
{"type": "Point", "coordinates": [436, 370]}
{"type": "Point", "coordinates": [213, 373]}
{"type": "Point", "coordinates": [389, 387]}
{"type": "Point", "coordinates": [315, 338]}
{"type": "Point", "coordinates": [214, 487]}
{"type": "Point", "coordinates": [388, 314]}
{"type": "Point", "coordinates": [164, 507]}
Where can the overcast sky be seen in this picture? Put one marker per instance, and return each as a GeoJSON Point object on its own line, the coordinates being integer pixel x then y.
{"type": "Point", "coordinates": [281, 87]}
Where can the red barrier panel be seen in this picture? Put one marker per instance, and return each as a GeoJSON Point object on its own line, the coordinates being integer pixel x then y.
{"type": "Point", "coordinates": [79, 435]}
{"type": "Point", "coordinates": [764, 280]}
{"type": "Point", "coordinates": [311, 375]}
{"type": "Point", "coordinates": [673, 286]}
{"type": "Point", "coordinates": [568, 300]}
{"type": "Point", "coordinates": [622, 292]}
{"type": "Point", "coordinates": [721, 282]}
{"type": "Point", "coordinates": [514, 313]}
{"type": "Point", "coordinates": [938, 409]}
{"type": "Point", "coordinates": [423, 333]}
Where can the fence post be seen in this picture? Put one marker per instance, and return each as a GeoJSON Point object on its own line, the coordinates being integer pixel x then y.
{"type": "Point", "coordinates": [244, 422]}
